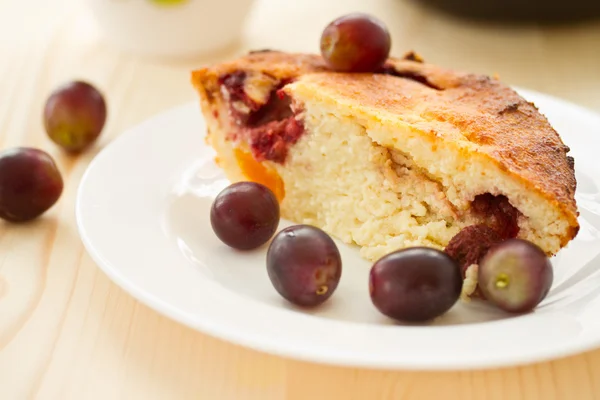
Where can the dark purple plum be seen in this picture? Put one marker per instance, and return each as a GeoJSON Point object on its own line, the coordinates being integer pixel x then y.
{"type": "Point", "coordinates": [355, 43]}
{"type": "Point", "coordinates": [30, 183]}
{"type": "Point", "coordinates": [516, 275]}
{"type": "Point", "coordinates": [245, 215]}
{"type": "Point", "coordinates": [304, 265]}
{"type": "Point", "coordinates": [415, 284]}
{"type": "Point", "coordinates": [74, 115]}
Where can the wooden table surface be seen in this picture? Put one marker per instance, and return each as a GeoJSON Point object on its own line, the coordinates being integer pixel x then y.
{"type": "Point", "coordinates": [68, 332]}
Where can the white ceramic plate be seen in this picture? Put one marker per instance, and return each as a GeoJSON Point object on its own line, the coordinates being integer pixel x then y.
{"type": "Point", "coordinates": [143, 215]}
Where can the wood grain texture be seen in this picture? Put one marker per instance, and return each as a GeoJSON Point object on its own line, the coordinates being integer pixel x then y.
{"type": "Point", "coordinates": [67, 332]}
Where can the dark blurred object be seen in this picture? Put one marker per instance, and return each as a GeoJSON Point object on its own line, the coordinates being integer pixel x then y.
{"type": "Point", "coordinates": [520, 11]}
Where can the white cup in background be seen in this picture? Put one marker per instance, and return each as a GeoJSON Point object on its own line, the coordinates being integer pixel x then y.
{"type": "Point", "coordinates": [171, 28]}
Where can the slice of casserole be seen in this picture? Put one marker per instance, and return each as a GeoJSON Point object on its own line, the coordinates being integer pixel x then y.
{"type": "Point", "coordinates": [407, 156]}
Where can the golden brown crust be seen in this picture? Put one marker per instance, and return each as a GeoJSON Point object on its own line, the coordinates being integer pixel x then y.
{"type": "Point", "coordinates": [277, 64]}
{"type": "Point", "coordinates": [478, 111]}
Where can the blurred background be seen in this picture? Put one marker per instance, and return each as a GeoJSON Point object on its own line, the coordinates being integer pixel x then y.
{"type": "Point", "coordinates": [546, 45]}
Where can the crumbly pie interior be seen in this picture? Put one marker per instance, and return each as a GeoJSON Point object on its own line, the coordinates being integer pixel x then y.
{"type": "Point", "coordinates": [407, 156]}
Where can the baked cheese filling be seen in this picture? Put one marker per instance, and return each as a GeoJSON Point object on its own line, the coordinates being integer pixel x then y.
{"type": "Point", "coordinates": [264, 124]}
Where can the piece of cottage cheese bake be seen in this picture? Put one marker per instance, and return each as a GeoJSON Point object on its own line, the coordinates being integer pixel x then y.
{"type": "Point", "coordinates": [407, 156]}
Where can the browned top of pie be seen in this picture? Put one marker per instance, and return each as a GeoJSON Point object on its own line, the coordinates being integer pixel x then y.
{"type": "Point", "coordinates": [280, 65]}
{"type": "Point", "coordinates": [477, 110]}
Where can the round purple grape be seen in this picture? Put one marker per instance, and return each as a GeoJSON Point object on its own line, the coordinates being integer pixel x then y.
{"type": "Point", "coordinates": [30, 183]}
{"type": "Point", "coordinates": [355, 43]}
{"type": "Point", "coordinates": [304, 265]}
{"type": "Point", "coordinates": [415, 284]}
{"type": "Point", "coordinates": [516, 275]}
{"type": "Point", "coordinates": [245, 215]}
{"type": "Point", "coordinates": [74, 115]}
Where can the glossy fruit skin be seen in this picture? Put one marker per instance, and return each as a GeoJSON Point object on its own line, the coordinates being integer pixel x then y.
{"type": "Point", "coordinates": [304, 265]}
{"type": "Point", "coordinates": [245, 215]}
{"type": "Point", "coordinates": [355, 43]}
{"type": "Point", "coordinates": [470, 245]}
{"type": "Point", "coordinates": [516, 275]}
{"type": "Point", "coordinates": [75, 115]}
{"type": "Point", "coordinates": [30, 183]}
{"type": "Point", "coordinates": [416, 284]}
